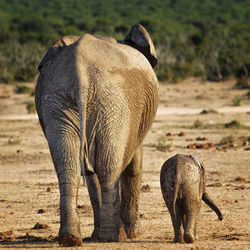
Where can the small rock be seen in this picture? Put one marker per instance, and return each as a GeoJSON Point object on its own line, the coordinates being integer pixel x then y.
{"type": "Point", "coordinates": [239, 178]}
{"type": "Point", "coordinates": [201, 138]}
{"type": "Point", "coordinates": [191, 146]}
{"type": "Point", "coordinates": [19, 151]}
{"type": "Point", "coordinates": [80, 206]}
{"type": "Point", "coordinates": [40, 226]}
{"type": "Point", "coordinates": [169, 134]}
{"type": "Point", "coordinates": [52, 238]}
{"type": "Point", "coordinates": [142, 216]}
{"type": "Point", "coordinates": [210, 144]}
{"type": "Point", "coordinates": [41, 211]}
{"type": "Point", "coordinates": [216, 184]}
{"type": "Point", "coordinates": [241, 187]}
{"type": "Point", "coordinates": [7, 236]}
{"type": "Point", "coordinates": [182, 133]}
{"type": "Point", "coordinates": [146, 188]}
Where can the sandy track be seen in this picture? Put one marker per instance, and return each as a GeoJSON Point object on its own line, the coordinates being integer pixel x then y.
{"type": "Point", "coordinates": [161, 111]}
{"type": "Point", "coordinates": [28, 182]}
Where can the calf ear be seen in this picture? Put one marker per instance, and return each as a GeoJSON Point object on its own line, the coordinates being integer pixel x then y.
{"type": "Point", "coordinates": [139, 38]}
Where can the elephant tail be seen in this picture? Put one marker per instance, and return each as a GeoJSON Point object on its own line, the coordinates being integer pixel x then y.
{"type": "Point", "coordinates": [86, 168]}
{"type": "Point", "coordinates": [176, 186]}
{"type": "Point", "coordinates": [210, 203]}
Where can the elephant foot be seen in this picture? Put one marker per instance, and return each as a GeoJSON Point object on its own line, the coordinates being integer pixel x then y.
{"type": "Point", "coordinates": [93, 238]}
{"type": "Point", "coordinates": [69, 240]}
{"type": "Point", "coordinates": [112, 236]}
{"type": "Point", "coordinates": [179, 240]}
{"type": "Point", "coordinates": [188, 238]}
{"type": "Point", "coordinates": [132, 232]}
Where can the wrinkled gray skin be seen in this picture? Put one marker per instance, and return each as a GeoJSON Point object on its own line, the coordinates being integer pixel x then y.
{"type": "Point", "coordinates": [96, 98]}
{"type": "Point", "coordinates": [183, 185]}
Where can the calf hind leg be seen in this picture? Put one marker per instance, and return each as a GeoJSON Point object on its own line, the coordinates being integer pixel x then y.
{"type": "Point", "coordinates": [177, 223]}
{"type": "Point", "coordinates": [189, 227]}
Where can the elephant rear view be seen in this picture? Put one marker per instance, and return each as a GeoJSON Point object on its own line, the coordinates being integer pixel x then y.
{"type": "Point", "coordinates": [96, 99]}
{"type": "Point", "coordinates": [183, 185]}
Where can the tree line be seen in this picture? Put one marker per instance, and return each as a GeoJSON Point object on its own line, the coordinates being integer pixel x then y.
{"type": "Point", "coordinates": [206, 38]}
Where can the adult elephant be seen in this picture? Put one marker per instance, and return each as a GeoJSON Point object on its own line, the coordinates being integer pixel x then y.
{"type": "Point", "coordinates": [96, 99]}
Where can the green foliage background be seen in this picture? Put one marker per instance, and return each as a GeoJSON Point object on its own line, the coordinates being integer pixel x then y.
{"type": "Point", "coordinates": [208, 38]}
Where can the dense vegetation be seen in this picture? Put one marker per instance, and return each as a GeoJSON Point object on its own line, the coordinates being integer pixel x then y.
{"type": "Point", "coordinates": [208, 38]}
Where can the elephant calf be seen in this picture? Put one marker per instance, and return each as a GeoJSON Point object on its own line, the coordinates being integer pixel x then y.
{"type": "Point", "coordinates": [183, 184]}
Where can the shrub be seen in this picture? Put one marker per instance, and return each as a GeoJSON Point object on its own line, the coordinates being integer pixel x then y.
{"type": "Point", "coordinates": [197, 124]}
{"type": "Point", "coordinates": [236, 101]}
{"type": "Point", "coordinates": [242, 83]}
{"type": "Point", "coordinates": [31, 107]}
{"type": "Point", "coordinates": [208, 111]}
{"type": "Point", "coordinates": [18, 62]}
{"type": "Point", "coordinates": [23, 89]}
{"type": "Point", "coordinates": [163, 145]}
{"type": "Point", "coordinates": [227, 139]}
{"type": "Point", "coordinates": [14, 141]}
{"type": "Point", "coordinates": [236, 125]}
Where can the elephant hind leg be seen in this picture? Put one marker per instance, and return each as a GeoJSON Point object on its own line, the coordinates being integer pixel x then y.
{"type": "Point", "coordinates": [96, 201]}
{"type": "Point", "coordinates": [110, 224]}
{"type": "Point", "coordinates": [177, 218]}
{"type": "Point", "coordinates": [64, 147]}
{"type": "Point", "coordinates": [130, 191]}
{"type": "Point", "coordinates": [190, 225]}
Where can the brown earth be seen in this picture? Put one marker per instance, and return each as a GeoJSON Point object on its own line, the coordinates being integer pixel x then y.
{"type": "Point", "coordinates": [29, 197]}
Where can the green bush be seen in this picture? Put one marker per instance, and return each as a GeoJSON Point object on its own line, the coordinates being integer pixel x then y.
{"type": "Point", "coordinates": [31, 107]}
{"type": "Point", "coordinates": [23, 89]}
{"type": "Point", "coordinates": [236, 125]}
{"type": "Point", "coordinates": [192, 38]}
{"type": "Point", "coordinates": [197, 124]}
{"type": "Point", "coordinates": [18, 62]}
{"type": "Point", "coordinates": [242, 83]}
{"type": "Point", "coordinates": [236, 101]}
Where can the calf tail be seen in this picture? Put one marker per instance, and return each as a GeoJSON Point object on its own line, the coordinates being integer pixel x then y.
{"type": "Point", "coordinates": [176, 187]}
{"type": "Point", "coordinates": [210, 203]}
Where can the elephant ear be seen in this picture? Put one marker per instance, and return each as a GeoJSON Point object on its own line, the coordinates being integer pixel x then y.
{"type": "Point", "coordinates": [57, 48]}
{"type": "Point", "coordinates": [139, 38]}
{"type": "Point", "coordinates": [202, 171]}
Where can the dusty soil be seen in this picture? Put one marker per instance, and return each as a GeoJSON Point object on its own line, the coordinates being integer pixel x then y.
{"type": "Point", "coordinates": [29, 197]}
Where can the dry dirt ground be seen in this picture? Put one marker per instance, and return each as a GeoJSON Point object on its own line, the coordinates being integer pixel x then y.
{"type": "Point", "coordinates": [29, 197]}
